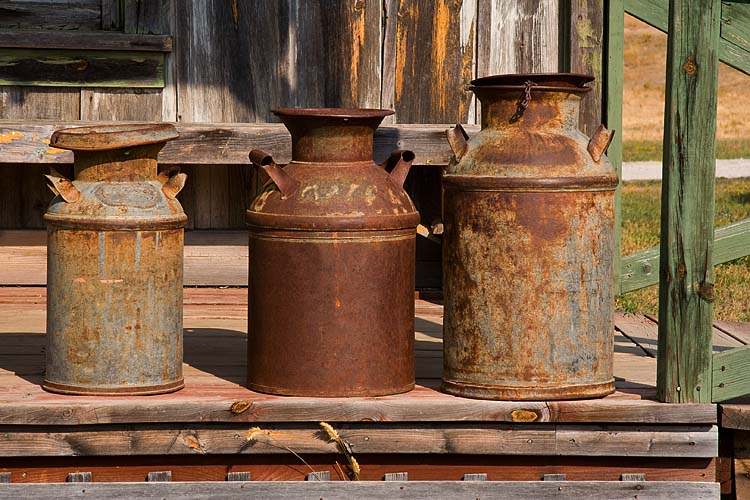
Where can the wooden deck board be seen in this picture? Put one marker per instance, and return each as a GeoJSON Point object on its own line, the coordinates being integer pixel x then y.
{"type": "Point", "coordinates": [215, 328]}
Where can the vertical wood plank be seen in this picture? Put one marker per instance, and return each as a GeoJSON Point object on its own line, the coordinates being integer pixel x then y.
{"type": "Point", "coordinates": [612, 96]}
{"type": "Point", "coordinates": [269, 54]}
{"type": "Point", "coordinates": [79, 477]}
{"type": "Point", "coordinates": [434, 60]}
{"type": "Point", "coordinates": [686, 271]}
{"type": "Point", "coordinates": [475, 477]}
{"type": "Point", "coordinates": [518, 36]}
{"type": "Point", "coordinates": [318, 476]}
{"type": "Point", "coordinates": [238, 476]}
{"type": "Point", "coordinates": [159, 476]}
{"type": "Point", "coordinates": [396, 476]}
{"type": "Point", "coordinates": [169, 92]}
{"type": "Point", "coordinates": [586, 30]}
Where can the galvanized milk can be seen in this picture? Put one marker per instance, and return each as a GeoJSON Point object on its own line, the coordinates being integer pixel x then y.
{"type": "Point", "coordinates": [332, 250]}
{"type": "Point", "coordinates": [114, 265]}
{"type": "Point", "coordinates": [528, 246]}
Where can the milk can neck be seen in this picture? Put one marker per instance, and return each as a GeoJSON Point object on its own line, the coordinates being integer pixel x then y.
{"type": "Point", "coordinates": [132, 164]}
{"type": "Point", "coordinates": [551, 110]}
{"type": "Point", "coordinates": [332, 135]}
{"type": "Point", "coordinates": [330, 144]}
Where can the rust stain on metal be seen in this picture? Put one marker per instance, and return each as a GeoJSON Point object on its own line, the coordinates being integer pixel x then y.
{"type": "Point", "coordinates": [528, 248]}
{"type": "Point", "coordinates": [332, 242]}
{"type": "Point", "coordinates": [114, 308]}
{"type": "Point", "coordinates": [240, 407]}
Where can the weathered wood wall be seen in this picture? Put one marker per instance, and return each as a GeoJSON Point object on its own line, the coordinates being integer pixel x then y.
{"type": "Point", "coordinates": [234, 61]}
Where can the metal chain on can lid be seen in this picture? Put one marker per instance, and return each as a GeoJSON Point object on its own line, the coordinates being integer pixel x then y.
{"type": "Point", "coordinates": [523, 103]}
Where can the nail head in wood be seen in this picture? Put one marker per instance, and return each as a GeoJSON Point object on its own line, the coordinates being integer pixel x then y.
{"type": "Point", "coordinates": [159, 476]}
{"type": "Point", "coordinates": [475, 477]}
{"type": "Point", "coordinates": [633, 477]}
{"type": "Point", "coordinates": [79, 477]}
{"type": "Point", "coordinates": [5, 477]}
{"type": "Point", "coordinates": [323, 475]}
{"type": "Point", "coordinates": [396, 476]}
{"type": "Point", "coordinates": [238, 476]}
{"type": "Point", "coordinates": [554, 477]}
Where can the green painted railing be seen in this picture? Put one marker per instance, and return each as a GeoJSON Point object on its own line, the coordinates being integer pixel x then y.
{"type": "Point", "coordinates": [701, 33]}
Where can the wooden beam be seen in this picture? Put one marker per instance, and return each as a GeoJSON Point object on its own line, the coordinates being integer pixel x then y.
{"type": "Point", "coordinates": [686, 285]}
{"type": "Point", "coordinates": [656, 13]}
{"type": "Point", "coordinates": [420, 405]}
{"type": "Point", "coordinates": [345, 490]}
{"type": "Point", "coordinates": [222, 143]}
{"type": "Point", "coordinates": [84, 40]}
{"type": "Point", "coordinates": [433, 438]}
{"type": "Point", "coordinates": [639, 270]}
{"type": "Point", "coordinates": [81, 68]}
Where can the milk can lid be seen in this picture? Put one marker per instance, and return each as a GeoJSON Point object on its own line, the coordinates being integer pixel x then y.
{"type": "Point", "coordinates": [540, 81]}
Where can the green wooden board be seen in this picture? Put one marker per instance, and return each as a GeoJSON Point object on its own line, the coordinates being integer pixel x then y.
{"type": "Point", "coordinates": [686, 267]}
{"type": "Point", "coordinates": [656, 13]}
{"type": "Point", "coordinates": [735, 24]}
{"type": "Point", "coordinates": [81, 68]}
{"type": "Point", "coordinates": [640, 270]}
{"type": "Point", "coordinates": [613, 81]}
{"type": "Point", "coordinates": [730, 374]}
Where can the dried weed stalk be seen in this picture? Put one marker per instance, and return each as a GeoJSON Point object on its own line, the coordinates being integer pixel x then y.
{"type": "Point", "coordinates": [344, 448]}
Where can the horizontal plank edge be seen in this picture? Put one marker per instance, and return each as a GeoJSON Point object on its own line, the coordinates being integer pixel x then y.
{"type": "Point", "coordinates": [84, 40]}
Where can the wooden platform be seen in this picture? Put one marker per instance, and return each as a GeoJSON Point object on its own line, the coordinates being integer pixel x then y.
{"type": "Point", "coordinates": [201, 432]}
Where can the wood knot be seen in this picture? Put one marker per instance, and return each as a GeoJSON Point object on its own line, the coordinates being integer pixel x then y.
{"type": "Point", "coordinates": [690, 67]}
{"type": "Point", "coordinates": [523, 416]}
{"type": "Point", "coordinates": [240, 407]}
{"type": "Point", "coordinates": [706, 292]}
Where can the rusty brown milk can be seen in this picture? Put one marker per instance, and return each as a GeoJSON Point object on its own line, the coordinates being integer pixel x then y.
{"type": "Point", "coordinates": [332, 242]}
{"type": "Point", "coordinates": [528, 246]}
{"type": "Point", "coordinates": [114, 265]}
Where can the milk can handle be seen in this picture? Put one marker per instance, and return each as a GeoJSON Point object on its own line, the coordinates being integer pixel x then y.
{"type": "Point", "coordinates": [286, 183]}
{"type": "Point", "coordinates": [458, 140]}
{"type": "Point", "coordinates": [399, 164]}
{"type": "Point", "coordinates": [600, 142]}
{"type": "Point", "coordinates": [172, 181]}
{"type": "Point", "coordinates": [63, 187]}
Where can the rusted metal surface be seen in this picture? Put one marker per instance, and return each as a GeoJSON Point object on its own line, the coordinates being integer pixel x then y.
{"type": "Point", "coordinates": [332, 243]}
{"type": "Point", "coordinates": [114, 274]}
{"type": "Point", "coordinates": [528, 247]}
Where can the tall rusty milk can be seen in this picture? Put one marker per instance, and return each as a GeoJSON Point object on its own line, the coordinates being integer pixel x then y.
{"type": "Point", "coordinates": [332, 251]}
{"type": "Point", "coordinates": [528, 246]}
{"type": "Point", "coordinates": [114, 265]}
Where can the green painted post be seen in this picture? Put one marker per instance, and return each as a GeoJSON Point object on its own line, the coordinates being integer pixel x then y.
{"type": "Point", "coordinates": [686, 278]}
{"type": "Point", "coordinates": [613, 71]}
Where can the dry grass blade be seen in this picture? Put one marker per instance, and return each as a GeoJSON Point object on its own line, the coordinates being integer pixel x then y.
{"type": "Point", "coordinates": [255, 432]}
{"type": "Point", "coordinates": [344, 447]}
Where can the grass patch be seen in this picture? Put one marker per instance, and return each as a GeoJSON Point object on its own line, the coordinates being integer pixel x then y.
{"type": "Point", "coordinates": [640, 230]}
{"type": "Point", "coordinates": [726, 149]}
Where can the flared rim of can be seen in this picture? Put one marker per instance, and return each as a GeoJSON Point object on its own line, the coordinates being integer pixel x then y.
{"type": "Point", "coordinates": [346, 113]}
{"type": "Point", "coordinates": [556, 82]}
{"type": "Point", "coordinates": [108, 137]}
